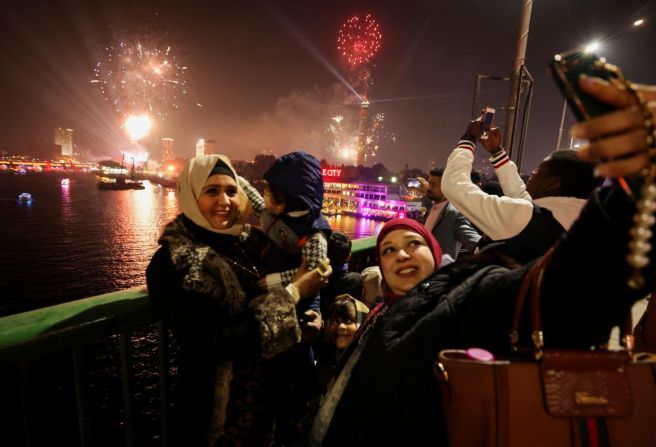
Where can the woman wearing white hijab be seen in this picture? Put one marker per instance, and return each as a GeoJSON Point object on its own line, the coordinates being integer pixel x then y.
{"type": "Point", "coordinates": [203, 281]}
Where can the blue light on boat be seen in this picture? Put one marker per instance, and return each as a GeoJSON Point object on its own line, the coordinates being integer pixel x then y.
{"type": "Point", "coordinates": [25, 197]}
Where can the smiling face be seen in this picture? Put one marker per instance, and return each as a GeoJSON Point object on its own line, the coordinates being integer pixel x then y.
{"type": "Point", "coordinates": [342, 324]}
{"type": "Point", "coordinates": [405, 259]}
{"type": "Point", "coordinates": [219, 202]}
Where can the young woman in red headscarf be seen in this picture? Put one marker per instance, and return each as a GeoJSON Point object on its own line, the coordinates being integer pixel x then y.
{"type": "Point", "coordinates": [386, 393]}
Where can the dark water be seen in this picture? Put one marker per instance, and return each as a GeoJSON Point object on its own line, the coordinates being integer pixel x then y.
{"type": "Point", "coordinates": [76, 241]}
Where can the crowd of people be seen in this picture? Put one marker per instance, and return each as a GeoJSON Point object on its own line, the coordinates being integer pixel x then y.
{"type": "Point", "coordinates": [279, 344]}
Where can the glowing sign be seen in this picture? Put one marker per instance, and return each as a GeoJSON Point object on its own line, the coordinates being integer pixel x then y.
{"type": "Point", "coordinates": [331, 172]}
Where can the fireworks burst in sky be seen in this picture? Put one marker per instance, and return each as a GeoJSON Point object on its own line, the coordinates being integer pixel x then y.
{"type": "Point", "coordinates": [379, 138]}
{"type": "Point", "coordinates": [344, 139]}
{"type": "Point", "coordinates": [141, 77]}
{"type": "Point", "coordinates": [358, 42]}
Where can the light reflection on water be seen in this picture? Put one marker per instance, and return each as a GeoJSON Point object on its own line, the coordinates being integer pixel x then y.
{"type": "Point", "coordinates": [75, 241]}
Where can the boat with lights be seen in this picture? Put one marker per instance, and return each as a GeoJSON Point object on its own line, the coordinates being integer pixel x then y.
{"type": "Point", "coordinates": [381, 200]}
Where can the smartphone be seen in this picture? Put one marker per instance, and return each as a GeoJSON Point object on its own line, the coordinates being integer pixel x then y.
{"type": "Point", "coordinates": [566, 68]}
{"type": "Point", "coordinates": [488, 119]}
{"type": "Point", "coordinates": [412, 183]}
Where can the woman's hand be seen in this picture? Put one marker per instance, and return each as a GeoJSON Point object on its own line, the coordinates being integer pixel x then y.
{"type": "Point", "coordinates": [308, 282]}
{"type": "Point", "coordinates": [423, 184]}
{"type": "Point", "coordinates": [617, 139]}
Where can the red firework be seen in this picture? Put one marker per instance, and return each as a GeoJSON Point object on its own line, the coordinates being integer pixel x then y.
{"type": "Point", "coordinates": [359, 40]}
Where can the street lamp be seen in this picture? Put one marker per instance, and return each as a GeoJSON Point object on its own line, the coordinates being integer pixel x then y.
{"type": "Point", "coordinates": [592, 47]}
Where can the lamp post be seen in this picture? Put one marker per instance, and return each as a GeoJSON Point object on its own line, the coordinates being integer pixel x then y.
{"type": "Point", "coordinates": [516, 75]}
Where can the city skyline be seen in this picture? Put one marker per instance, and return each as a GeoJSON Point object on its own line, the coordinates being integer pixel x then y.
{"type": "Point", "coordinates": [264, 76]}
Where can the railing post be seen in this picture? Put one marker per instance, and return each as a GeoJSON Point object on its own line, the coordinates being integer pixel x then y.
{"type": "Point", "coordinates": [81, 396]}
{"type": "Point", "coordinates": [127, 396]}
{"type": "Point", "coordinates": [163, 349]}
{"type": "Point", "coordinates": [23, 384]}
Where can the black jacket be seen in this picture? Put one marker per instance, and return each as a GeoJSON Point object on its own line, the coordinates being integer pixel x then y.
{"type": "Point", "coordinates": [392, 397]}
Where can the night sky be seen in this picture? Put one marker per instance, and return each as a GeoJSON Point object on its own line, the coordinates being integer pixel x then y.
{"type": "Point", "coordinates": [260, 70]}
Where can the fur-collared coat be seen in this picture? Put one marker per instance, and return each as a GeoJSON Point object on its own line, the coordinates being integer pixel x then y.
{"type": "Point", "coordinates": [204, 285]}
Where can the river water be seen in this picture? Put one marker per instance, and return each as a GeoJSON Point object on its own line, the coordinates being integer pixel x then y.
{"type": "Point", "coordinates": [74, 241]}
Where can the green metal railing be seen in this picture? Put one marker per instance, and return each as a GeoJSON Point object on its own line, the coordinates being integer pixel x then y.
{"type": "Point", "coordinates": [69, 327]}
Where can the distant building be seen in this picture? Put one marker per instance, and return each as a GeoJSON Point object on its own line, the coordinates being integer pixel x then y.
{"type": "Point", "coordinates": [205, 147]}
{"type": "Point", "coordinates": [64, 138]}
{"type": "Point", "coordinates": [167, 149]}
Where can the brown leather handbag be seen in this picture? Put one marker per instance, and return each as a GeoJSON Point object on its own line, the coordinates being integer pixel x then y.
{"type": "Point", "coordinates": [557, 398]}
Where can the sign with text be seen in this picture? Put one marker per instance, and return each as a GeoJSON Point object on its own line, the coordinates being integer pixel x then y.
{"type": "Point", "coordinates": [331, 172]}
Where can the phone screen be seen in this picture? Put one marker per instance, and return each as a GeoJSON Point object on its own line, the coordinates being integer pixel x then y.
{"type": "Point", "coordinates": [488, 119]}
{"type": "Point", "coordinates": [413, 183]}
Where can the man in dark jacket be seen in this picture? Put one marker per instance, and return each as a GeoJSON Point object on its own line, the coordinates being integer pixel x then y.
{"type": "Point", "coordinates": [451, 229]}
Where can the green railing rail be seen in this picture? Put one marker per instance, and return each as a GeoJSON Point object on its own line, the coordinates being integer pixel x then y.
{"type": "Point", "coordinates": [29, 336]}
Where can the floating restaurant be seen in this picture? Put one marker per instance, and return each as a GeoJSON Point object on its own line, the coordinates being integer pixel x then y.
{"type": "Point", "coordinates": [375, 200]}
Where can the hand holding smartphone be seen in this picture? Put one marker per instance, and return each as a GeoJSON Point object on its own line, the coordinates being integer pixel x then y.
{"type": "Point", "coordinates": [566, 69]}
{"type": "Point", "coordinates": [486, 122]}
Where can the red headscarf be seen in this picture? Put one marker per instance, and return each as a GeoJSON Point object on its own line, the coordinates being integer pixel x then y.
{"type": "Point", "coordinates": [412, 225]}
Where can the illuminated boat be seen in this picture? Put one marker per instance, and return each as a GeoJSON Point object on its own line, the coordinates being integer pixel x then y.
{"type": "Point", "coordinates": [374, 200]}
{"type": "Point", "coordinates": [118, 184]}
{"type": "Point", "coordinates": [113, 177]}
{"type": "Point", "coordinates": [65, 182]}
{"type": "Point", "coordinates": [25, 197]}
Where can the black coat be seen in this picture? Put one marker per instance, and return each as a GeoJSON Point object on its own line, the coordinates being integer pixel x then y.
{"type": "Point", "coordinates": [392, 398]}
{"type": "Point", "coordinates": [211, 337]}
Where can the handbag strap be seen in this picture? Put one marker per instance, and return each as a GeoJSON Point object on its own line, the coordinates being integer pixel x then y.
{"type": "Point", "coordinates": [531, 287]}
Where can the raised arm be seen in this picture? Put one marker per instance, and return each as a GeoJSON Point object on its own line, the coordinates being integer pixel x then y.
{"type": "Point", "coordinates": [313, 251]}
{"type": "Point", "coordinates": [257, 202]}
{"type": "Point", "coordinates": [498, 217]}
{"type": "Point", "coordinates": [505, 169]}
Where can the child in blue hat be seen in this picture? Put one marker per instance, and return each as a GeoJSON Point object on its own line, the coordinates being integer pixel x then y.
{"type": "Point", "coordinates": [290, 215]}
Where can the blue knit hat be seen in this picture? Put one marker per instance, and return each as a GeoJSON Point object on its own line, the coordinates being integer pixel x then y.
{"type": "Point", "coordinates": [298, 175]}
